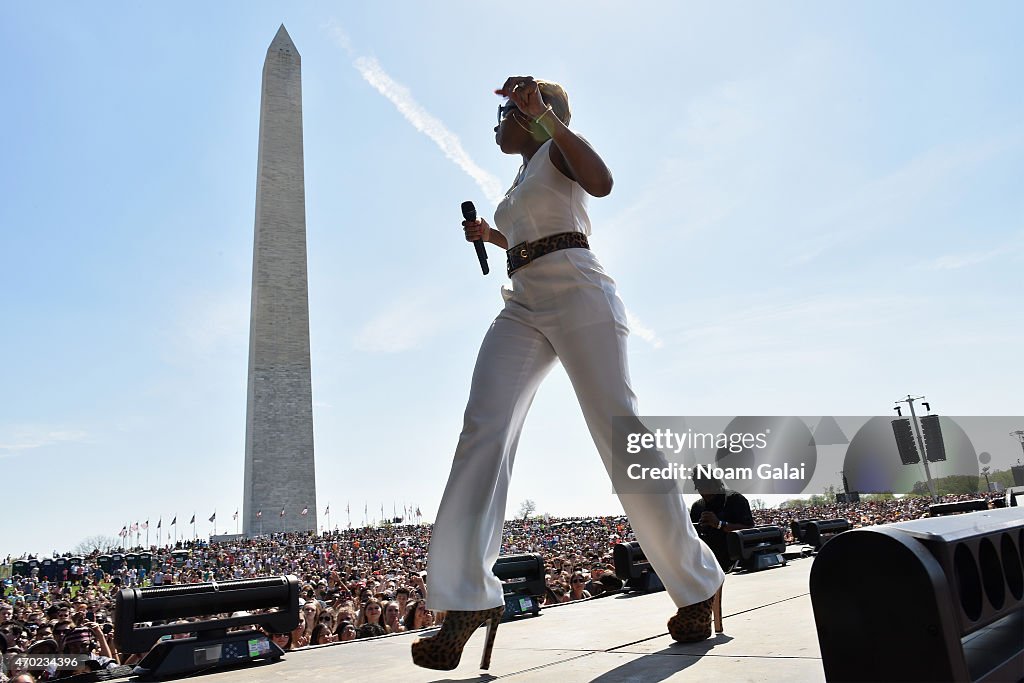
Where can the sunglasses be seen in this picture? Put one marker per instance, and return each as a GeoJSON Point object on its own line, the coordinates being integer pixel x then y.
{"type": "Point", "coordinates": [506, 110]}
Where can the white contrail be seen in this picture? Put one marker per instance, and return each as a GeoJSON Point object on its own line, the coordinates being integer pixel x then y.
{"type": "Point", "coordinates": [642, 331]}
{"type": "Point", "coordinates": [420, 118]}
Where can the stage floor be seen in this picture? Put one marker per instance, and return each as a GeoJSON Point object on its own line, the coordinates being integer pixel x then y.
{"type": "Point", "coordinates": [769, 636]}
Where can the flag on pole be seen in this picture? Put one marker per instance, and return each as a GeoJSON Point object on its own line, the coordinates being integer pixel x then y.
{"type": "Point", "coordinates": [193, 520]}
{"type": "Point", "coordinates": [259, 513]}
{"type": "Point", "coordinates": [175, 520]}
{"type": "Point", "coordinates": [235, 516]}
{"type": "Point", "coordinates": [282, 512]}
{"type": "Point", "coordinates": [305, 511]}
{"type": "Point", "coordinates": [124, 531]}
{"type": "Point", "coordinates": [213, 516]}
{"type": "Point", "coordinates": [145, 525]}
{"type": "Point", "coordinates": [328, 510]}
{"type": "Point", "coordinates": [159, 522]}
{"type": "Point", "coordinates": [135, 527]}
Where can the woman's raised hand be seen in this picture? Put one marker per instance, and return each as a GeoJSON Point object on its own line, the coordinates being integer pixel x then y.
{"type": "Point", "coordinates": [524, 91]}
{"type": "Point", "coordinates": [477, 230]}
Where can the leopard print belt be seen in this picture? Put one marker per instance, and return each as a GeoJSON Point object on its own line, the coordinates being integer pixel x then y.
{"type": "Point", "coordinates": [526, 252]}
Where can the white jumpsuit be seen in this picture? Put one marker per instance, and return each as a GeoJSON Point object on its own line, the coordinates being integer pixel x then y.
{"type": "Point", "coordinates": [562, 306]}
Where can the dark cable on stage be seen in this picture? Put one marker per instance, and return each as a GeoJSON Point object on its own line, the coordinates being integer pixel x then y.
{"type": "Point", "coordinates": [469, 213]}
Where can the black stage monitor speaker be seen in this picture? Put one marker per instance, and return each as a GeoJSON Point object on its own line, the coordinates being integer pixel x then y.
{"type": "Point", "coordinates": [522, 580]}
{"type": "Point", "coordinates": [758, 548]}
{"type": "Point", "coordinates": [143, 615]}
{"type": "Point", "coordinates": [904, 434]}
{"type": "Point", "coordinates": [942, 509]}
{"type": "Point", "coordinates": [632, 567]}
{"type": "Point", "coordinates": [820, 531]}
{"type": "Point", "coordinates": [927, 600]}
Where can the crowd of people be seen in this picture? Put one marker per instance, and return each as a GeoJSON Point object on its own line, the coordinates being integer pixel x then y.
{"type": "Point", "coordinates": [357, 583]}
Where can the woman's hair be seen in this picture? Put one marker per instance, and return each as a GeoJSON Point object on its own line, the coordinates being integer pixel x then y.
{"type": "Point", "coordinates": [410, 614]}
{"type": "Point", "coordinates": [287, 635]}
{"type": "Point", "coordinates": [316, 616]}
{"type": "Point", "coordinates": [362, 612]}
{"type": "Point", "coordinates": [555, 95]}
{"type": "Point", "coordinates": [391, 604]}
{"type": "Point", "coordinates": [319, 631]}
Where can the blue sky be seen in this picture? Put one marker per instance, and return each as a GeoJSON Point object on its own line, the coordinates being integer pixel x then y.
{"type": "Point", "coordinates": [817, 210]}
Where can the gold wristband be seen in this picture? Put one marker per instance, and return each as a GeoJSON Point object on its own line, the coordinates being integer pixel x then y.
{"type": "Point", "coordinates": [547, 109]}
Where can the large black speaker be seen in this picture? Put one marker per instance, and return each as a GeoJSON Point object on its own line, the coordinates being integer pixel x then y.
{"type": "Point", "coordinates": [904, 434]}
{"type": "Point", "coordinates": [522, 580]}
{"type": "Point", "coordinates": [632, 567]}
{"type": "Point", "coordinates": [1018, 474]}
{"type": "Point", "coordinates": [934, 447]}
{"type": "Point", "coordinates": [927, 600]}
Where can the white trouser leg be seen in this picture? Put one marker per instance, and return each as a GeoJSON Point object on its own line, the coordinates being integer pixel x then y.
{"type": "Point", "coordinates": [594, 356]}
{"type": "Point", "coordinates": [466, 540]}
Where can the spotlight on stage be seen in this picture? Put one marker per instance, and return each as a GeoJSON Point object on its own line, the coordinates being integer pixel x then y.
{"type": "Point", "coordinates": [942, 509]}
{"type": "Point", "coordinates": [631, 566]}
{"type": "Point", "coordinates": [820, 531]}
{"type": "Point", "coordinates": [927, 600]}
{"type": "Point", "coordinates": [758, 548]}
{"type": "Point", "coordinates": [522, 580]}
{"type": "Point", "coordinates": [271, 602]}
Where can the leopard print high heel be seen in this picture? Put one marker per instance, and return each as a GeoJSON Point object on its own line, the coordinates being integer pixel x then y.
{"type": "Point", "coordinates": [444, 650]}
{"type": "Point", "coordinates": [692, 623]}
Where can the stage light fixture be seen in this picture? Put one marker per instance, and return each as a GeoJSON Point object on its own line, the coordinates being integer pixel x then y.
{"type": "Point", "coordinates": [522, 582]}
{"type": "Point", "coordinates": [143, 616]}
{"type": "Point", "coordinates": [821, 531]}
{"type": "Point", "coordinates": [758, 548]}
{"type": "Point", "coordinates": [935, 599]}
{"type": "Point", "coordinates": [632, 567]}
{"type": "Point", "coordinates": [957, 507]}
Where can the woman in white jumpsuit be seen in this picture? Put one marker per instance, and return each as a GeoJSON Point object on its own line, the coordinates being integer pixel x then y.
{"type": "Point", "coordinates": [562, 305]}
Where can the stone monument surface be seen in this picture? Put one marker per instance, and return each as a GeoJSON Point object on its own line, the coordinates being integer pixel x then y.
{"type": "Point", "coordinates": [279, 467]}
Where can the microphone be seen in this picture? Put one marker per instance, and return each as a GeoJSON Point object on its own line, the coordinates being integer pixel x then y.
{"type": "Point", "coordinates": [469, 213]}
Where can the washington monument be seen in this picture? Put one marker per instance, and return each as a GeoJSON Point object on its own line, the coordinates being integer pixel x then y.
{"type": "Point", "coordinates": [280, 481]}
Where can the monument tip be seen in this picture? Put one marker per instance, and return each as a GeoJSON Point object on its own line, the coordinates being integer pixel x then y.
{"type": "Point", "coordinates": [282, 41]}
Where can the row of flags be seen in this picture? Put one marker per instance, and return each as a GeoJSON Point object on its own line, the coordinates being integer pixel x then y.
{"type": "Point", "coordinates": [135, 527]}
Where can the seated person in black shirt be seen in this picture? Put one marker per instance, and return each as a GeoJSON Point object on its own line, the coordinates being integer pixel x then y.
{"type": "Point", "coordinates": [719, 510]}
